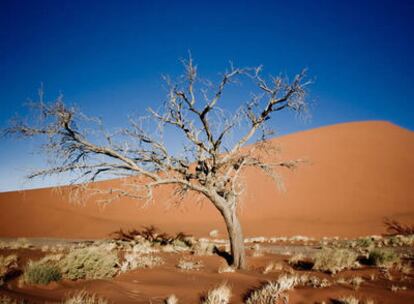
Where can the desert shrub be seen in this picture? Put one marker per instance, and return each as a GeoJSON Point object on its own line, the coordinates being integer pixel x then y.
{"type": "Point", "coordinates": [395, 288]}
{"type": "Point", "coordinates": [382, 257]}
{"type": "Point", "coordinates": [7, 300]}
{"type": "Point", "coordinates": [356, 282]}
{"type": "Point", "coordinates": [82, 297]}
{"type": "Point", "coordinates": [189, 264]}
{"type": "Point", "coordinates": [272, 266]}
{"type": "Point", "coordinates": [203, 247]}
{"type": "Point", "coordinates": [334, 260]}
{"type": "Point", "coordinates": [394, 227]}
{"type": "Point", "coordinates": [89, 263]}
{"type": "Point", "coordinates": [225, 268]}
{"type": "Point", "coordinates": [136, 261]}
{"type": "Point", "coordinates": [7, 265]}
{"type": "Point", "coordinates": [152, 235]}
{"type": "Point", "coordinates": [312, 281]}
{"type": "Point", "coordinates": [218, 295]}
{"type": "Point", "coordinates": [352, 300]}
{"type": "Point", "coordinates": [365, 242]}
{"type": "Point", "coordinates": [300, 261]}
{"type": "Point", "coordinates": [41, 272]}
{"type": "Point", "coordinates": [272, 292]}
{"type": "Point", "coordinates": [172, 299]}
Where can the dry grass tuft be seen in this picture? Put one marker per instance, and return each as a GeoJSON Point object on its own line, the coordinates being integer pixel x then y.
{"type": "Point", "coordinates": [172, 299]}
{"type": "Point", "coordinates": [218, 295]}
{"type": "Point", "coordinates": [272, 292]}
{"type": "Point", "coordinates": [272, 267]}
{"type": "Point", "coordinates": [189, 264]}
{"type": "Point", "coordinates": [82, 297]}
{"type": "Point", "coordinates": [334, 260]}
{"type": "Point", "coordinates": [137, 261]}
{"type": "Point", "coordinates": [395, 288]}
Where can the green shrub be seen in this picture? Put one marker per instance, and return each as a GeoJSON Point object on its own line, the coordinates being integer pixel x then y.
{"type": "Point", "coordinates": [383, 257]}
{"type": "Point", "coordinates": [334, 260]}
{"type": "Point", "coordinates": [89, 263]}
{"type": "Point", "coordinates": [41, 272]}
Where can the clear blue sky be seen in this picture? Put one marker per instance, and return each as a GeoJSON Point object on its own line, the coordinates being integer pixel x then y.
{"type": "Point", "coordinates": [107, 57]}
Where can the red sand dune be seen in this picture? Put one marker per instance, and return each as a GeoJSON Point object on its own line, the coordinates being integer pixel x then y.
{"type": "Point", "coordinates": [358, 173]}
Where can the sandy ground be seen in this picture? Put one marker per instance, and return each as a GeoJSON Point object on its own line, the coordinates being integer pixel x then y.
{"type": "Point", "coordinates": [154, 285]}
{"type": "Point", "coordinates": [357, 174]}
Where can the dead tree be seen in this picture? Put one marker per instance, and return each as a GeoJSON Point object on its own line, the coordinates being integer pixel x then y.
{"type": "Point", "coordinates": [213, 156]}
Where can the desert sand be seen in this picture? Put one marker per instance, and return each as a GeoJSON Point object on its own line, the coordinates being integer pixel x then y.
{"type": "Point", "coordinates": [355, 175]}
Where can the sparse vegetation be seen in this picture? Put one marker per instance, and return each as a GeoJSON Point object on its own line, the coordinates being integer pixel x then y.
{"type": "Point", "coordinates": [272, 292]}
{"type": "Point", "coordinates": [334, 260]}
{"type": "Point", "coordinates": [136, 261]}
{"type": "Point", "coordinates": [394, 227]}
{"type": "Point", "coordinates": [7, 300]}
{"type": "Point", "coordinates": [272, 266]}
{"type": "Point", "coordinates": [189, 264]}
{"type": "Point", "coordinates": [82, 297]}
{"type": "Point", "coordinates": [383, 257]}
{"type": "Point", "coordinates": [203, 247]}
{"type": "Point", "coordinates": [89, 263]}
{"type": "Point", "coordinates": [41, 272]}
{"type": "Point", "coordinates": [352, 300]}
{"type": "Point", "coordinates": [356, 282]}
{"type": "Point", "coordinates": [7, 265]}
{"type": "Point", "coordinates": [218, 295]}
{"type": "Point", "coordinates": [172, 299]}
{"type": "Point", "coordinates": [395, 288]}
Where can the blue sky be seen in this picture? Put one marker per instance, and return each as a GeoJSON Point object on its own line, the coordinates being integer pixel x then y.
{"type": "Point", "coordinates": [107, 57]}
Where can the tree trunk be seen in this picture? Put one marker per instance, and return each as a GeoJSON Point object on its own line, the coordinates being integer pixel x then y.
{"type": "Point", "coordinates": [235, 233]}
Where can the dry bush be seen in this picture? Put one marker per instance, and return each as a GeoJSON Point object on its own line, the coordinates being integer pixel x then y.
{"type": "Point", "coordinates": [137, 261]}
{"type": "Point", "coordinates": [272, 267]}
{"type": "Point", "coordinates": [8, 264]}
{"type": "Point", "coordinates": [395, 288]}
{"type": "Point", "coordinates": [334, 260]}
{"type": "Point", "coordinates": [203, 247]}
{"type": "Point", "coordinates": [356, 282]}
{"type": "Point", "coordinates": [312, 281]}
{"type": "Point", "coordinates": [272, 292]}
{"type": "Point", "coordinates": [225, 269]}
{"type": "Point", "coordinates": [19, 243]}
{"type": "Point", "coordinates": [172, 299]}
{"type": "Point", "coordinates": [154, 236]}
{"type": "Point", "coordinates": [257, 251]}
{"type": "Point", "coordinates": [348, 300]}
{"type": "Point", "coordinates": [351, 300]}
{"type": "Point", "coordinates": [89, 263]}
{"type": "Point", "coordinates": [41, 272]}
{"type": "Point", "coordinates": [300, 261]}
{"type": "Point", "coordinates": [383, 258]}
{"type": "Point", "coordinates": [189, 264]}
{"type": "Point", "coordinates": [218, 295]}
{"type": "Point", "coordinates": [7, 300]}
{"type": "Point", "coordinates": [213, 233]}
{"type": "Point", "coordinates": [396, 228]}
{"type": "Point", "coordinates": [82, 297]}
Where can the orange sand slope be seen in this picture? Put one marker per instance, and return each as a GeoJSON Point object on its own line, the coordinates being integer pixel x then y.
{"type": "Point", "coordinates": [358, 173]}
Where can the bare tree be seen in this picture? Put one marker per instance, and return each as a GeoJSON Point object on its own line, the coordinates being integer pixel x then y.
{"type": "Point", "coordinates": [213, 156]}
